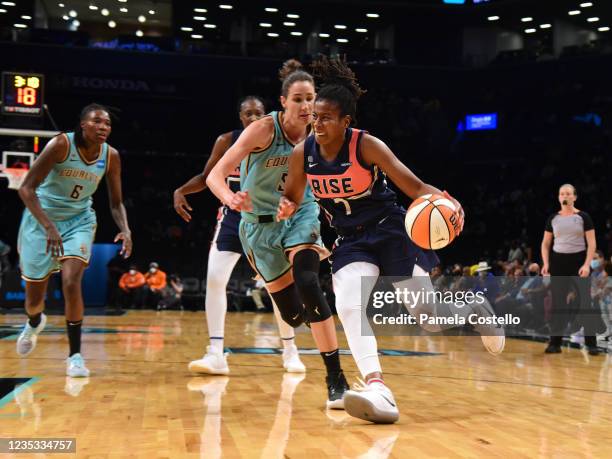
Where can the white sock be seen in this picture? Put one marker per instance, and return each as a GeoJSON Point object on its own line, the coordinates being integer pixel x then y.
{"type": "Point", "coordinates": [217, 345]}
{"type": "Point", "coordinates": [348, 305]}
{"type": "Point", "coordinates": [286, 331]}
{"type": "Point", "coordinates": [220, 267]}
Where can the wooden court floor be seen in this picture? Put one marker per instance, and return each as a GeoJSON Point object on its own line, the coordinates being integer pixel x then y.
{"type": "Point", "coordinates": [455, 399]}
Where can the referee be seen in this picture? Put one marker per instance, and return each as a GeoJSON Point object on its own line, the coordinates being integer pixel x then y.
{"type": "Point", "coordinates": [571, 234]}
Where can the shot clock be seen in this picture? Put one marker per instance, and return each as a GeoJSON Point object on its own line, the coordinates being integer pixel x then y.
{"type": "Point", "coordinates": [22, 93]}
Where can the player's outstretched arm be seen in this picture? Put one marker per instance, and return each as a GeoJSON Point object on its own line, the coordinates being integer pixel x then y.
{"type": "Point", "coordinates": [294, 185]}
{"type": "Point", "coordinates": [375, 151]}
{"type": "Point", "coordinates": [115, 198]}
{"type": "Point", "coordinates": [198, 182]}
{"type": "Point", "coordinates": [255, 137]}
{"type": "Point", "coordinates": [54, 152]}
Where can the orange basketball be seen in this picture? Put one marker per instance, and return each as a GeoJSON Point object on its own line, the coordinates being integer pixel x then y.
{"type": "Point", "coordinates": [431, 221]}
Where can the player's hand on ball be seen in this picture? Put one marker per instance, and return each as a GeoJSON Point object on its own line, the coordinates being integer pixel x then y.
{"type": "Point", "coordinates": [54, 242]}
{"type": "Point", "coordinates": [241, 201]}
{"type": "Point", "coordinates": [458, 212]}
{"type": "Point", "coordinates": [126, 248]}
{"type": "Point", "coordinates": [182, 206]}
{"type": "Point", "coordinates": [286, 209]}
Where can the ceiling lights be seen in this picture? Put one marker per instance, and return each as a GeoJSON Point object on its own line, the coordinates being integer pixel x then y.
{"type": "Point", "coordinates": [493, 18]}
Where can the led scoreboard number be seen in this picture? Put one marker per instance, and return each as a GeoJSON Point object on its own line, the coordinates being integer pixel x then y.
{"type": "Point", "coordinates": [22, 94]}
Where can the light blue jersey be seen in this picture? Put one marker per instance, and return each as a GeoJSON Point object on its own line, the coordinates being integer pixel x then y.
{"type": "Point", "coordinates": [67, 189]}
{"type": "Point", "coordinates": [268, 243]}
{"type": "Point", "coordinates": [65, 196]}
{"type": "Point", "coordinates": [263, 173]}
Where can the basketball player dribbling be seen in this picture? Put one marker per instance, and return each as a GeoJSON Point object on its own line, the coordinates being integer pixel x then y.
{"type": "Point", "coordinates": [58, 226]}
{"type": "Point", "coordinates": [345, 168]}
{"type": "Point", "coordinates": [286, 255]}
{"type": "Point", "coordinates": [225, 251]}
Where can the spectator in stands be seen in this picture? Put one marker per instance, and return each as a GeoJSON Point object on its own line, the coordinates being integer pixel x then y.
{"type": "Point", "coordinates": [172, 294]}
{"type": "Point", "coordinates": [257, 293]}
{"type": "Point", "coordinates": [515, 253]}
{"type": "Point", "coordinates": [486, 282]}
{"type": "Point", "coordinates": [533, 290]}
{"type": "Point", "coordinates": [132, 287]}
{"type": "Point", "coordinates": [156, 283]}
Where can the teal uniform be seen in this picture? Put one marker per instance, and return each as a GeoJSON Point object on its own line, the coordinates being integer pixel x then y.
{"type": "Point", "coordinates": [265, 241]}
{"type": "Point", "coordinates": [65, 196]}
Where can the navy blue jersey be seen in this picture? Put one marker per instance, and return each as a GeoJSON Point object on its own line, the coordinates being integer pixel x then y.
{"type": "Point", "coordinates": [350, 192]}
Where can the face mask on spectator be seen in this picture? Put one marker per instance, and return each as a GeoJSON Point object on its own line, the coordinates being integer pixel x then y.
{"type": "Point", "coordinates": [132, 272]}
{"type": "Point", "coordinates": [595, 264]}
{"type": "Point", "coordinates": [153, 270]}
{"type": "Point", "coordinates": [533, 273]}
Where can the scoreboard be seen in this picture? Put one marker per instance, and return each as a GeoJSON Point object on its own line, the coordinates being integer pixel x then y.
{"type": "Point", "coordinates": [22, 93]}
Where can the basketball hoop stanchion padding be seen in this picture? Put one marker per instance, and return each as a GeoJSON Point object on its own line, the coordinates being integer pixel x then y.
{"type": "Point", "coordinates": [15, 176]}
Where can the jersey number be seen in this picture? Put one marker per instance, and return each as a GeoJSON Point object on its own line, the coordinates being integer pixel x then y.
{"type": "Point", "coordinates": [76, 191]}
{"type": "Point", "coordinates": [345, 203]}
{"type": "Point", "coordinates": [281, 185]}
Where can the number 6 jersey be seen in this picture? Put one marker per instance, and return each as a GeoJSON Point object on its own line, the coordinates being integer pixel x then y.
{"type": "Point", "coordinates": [67, 189]}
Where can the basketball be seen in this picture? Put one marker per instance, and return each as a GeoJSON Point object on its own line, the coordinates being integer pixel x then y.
{"type": "Point", "coordinates": [431, 222]}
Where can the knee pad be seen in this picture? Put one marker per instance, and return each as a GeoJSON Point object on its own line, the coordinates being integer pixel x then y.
{"type": "Point", "coordinates": [290, 306]}
{"type": "Point", "coordinates": [317, 308]}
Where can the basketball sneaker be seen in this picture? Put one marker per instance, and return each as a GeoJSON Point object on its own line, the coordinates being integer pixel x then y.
{"type": "Point", "coordinates": [29, 335]}
{"type": "Point", "coordinates": [291, 360]}
{"type": "Point", "coordinates": [494, 344]}
{"type": "Point", "coordinates": [75, 367]}
{"type": "Point", "coordinates": [493, 336]}
{"type": "Point", "coordinates": [214, 362]}
{"type": "Point", "coordinates": [336, 388]}
{"type": "Point", "coordinates": [372, 402]}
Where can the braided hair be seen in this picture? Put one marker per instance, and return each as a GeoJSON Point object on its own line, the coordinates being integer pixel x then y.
{"type": "Point", "coordinates": [338, 84]}
{"type": "Point", "coordinates": [290, 72]}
